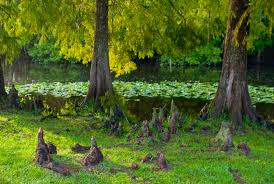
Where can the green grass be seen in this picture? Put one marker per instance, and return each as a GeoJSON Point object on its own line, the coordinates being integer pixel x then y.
{"type": "Point", "coordinates": [191, 164]}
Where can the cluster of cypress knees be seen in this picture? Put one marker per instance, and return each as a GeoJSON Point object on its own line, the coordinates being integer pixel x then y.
{"type": "Point", "coordinates": [223, 141]}
{"type": "Point", "coordinates": [44, 151]}
{"type": "Point", "coordinates": [44, 159]}
{"type": "Point", "coordinates": [175, 121]}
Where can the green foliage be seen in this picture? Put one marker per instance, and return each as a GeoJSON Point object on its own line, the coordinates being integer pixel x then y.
{"type": "Point", "coordinates": [45, 53]}
{"type": "Point", "coordinates": [13, 35]}
{"type": "Point", "coordinates": [170, 28]}
{"type": "Point", "coordinates": [111, 99]}
{"type": "Point", "coordinates": [68, 109]}
{"type": "Point", "coordinates": [168, 89]}
{"type": "Point", "coordinates": [139, 27]}
{"type": "Point", "coordinates": [261, 23]}
{"type": "Point", "coordinates": [260, 43]}
{"type": "Point", "coordinates": [192, 90]}
{"type": "Point", "coordinates": [206, 55]}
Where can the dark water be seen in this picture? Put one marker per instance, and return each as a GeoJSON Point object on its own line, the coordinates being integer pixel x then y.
{"type": "Point", "coordinates": [257, 75]}
{"type": "Point", "coordinates": [142, 107]}
{"type": "Point", "coordinates": [23, 72]}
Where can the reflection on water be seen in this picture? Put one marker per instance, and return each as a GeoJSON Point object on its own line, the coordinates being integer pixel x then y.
{"type": "Point", "coordinates": [142, 106]}
{"type": "Point", "coordinates": [262, 75]}
{"type": "Point", "coordinates": [23, 72]}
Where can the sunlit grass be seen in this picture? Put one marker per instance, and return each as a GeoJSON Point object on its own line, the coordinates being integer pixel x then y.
{"type": "Point", "coordinates": [190, 164]}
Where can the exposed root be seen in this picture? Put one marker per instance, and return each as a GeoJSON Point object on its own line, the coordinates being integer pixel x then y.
{"type": "Point", "coordinates": [78, 148]}
{"type": "Point", "coordinates": [244, 148]}
{"type": "Point", "coordinates": [223, 140]}
{"type": "Point", "coordinates": [95, 156]}
{"type": "Point", "coordinates": [173, 122]}
{"type": "Point", "coordinates": [43, 158]}
{"type": "Point", "coordinates": [161, 161]}
{"type": "Point", "coordinates": [156, 123]}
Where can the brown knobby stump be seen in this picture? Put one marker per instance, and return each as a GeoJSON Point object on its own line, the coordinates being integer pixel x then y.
{"type": "Point", "coordinates": [161, 115]}
{"type": "Point", "coordinates": [173, 107]}
{"type": "Point", "coordinates": [244, 148]}
{"type": "Point", "coordinates": [95, 156]}
{"type": "Point", "coordinates": [161, 161]}
{"type": "Point", "coordinates": [173, 121]}
{"type": "Point", "coordinates": [156, 123]}
{"type": "Point", "coordinates": [148, 158]}
{"type": "Point", "coordinates": [113, 122]}
{"type": "Point", "coordinates": [43, 158]}
{"type": "Point", "coordinates": [145, 130]}
{"type": "Point", "coordinates": [78, 148]}
{"type": "Point", "coordinates": [52, 148]}
{"type": "Point", "coordinates": [204, 113]}
{"type": "Point", "coordinates": [166, 136]}
{"type": "Point", "coordinates": [223, 140]}
{"type": "Point", "coordinates": [134, 166]}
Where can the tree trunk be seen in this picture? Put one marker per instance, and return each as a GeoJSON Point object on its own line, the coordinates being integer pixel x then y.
{"type": "Point", "coordinates": [232, 95]}
{"type": "Point", "coordinates": [100, 78]}
{"type": "Point", "coordinates": [2, 84]}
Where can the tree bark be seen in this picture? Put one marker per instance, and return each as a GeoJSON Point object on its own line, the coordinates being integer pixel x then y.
{"type": "Point", "coordinates": [2, 82]}
{"type": "Point", "coordinates": [232, 95]}
{"type": "Point", "coordinates": [100, 78]}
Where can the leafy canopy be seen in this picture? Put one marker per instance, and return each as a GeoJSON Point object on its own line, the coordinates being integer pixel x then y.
{"type": "Point", "coordinates": [136, 27]}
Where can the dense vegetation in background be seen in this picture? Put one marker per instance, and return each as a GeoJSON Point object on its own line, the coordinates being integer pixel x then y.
{"type": "Point", "coordinates": [143, 27]}
{"type": "Point", "coordinates": [261, 43]}
{"type": "Point", "coordinates": [45, 53]}
{"type": "Point", "coordinates": [209, 54]}
{"type": "Point", "coordinates": [172, 41]}
{"type": "Point", "coordinates": [181, 36]}
{"type": "Point", "coordinates": [180, 31]}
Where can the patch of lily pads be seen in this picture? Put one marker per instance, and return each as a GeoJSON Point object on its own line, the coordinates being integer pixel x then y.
{"type": "Point", "coordinates": [166, 89]}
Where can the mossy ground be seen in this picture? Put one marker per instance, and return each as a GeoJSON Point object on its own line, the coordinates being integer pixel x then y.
{"type": "Point", "coordinates": [193, 163]}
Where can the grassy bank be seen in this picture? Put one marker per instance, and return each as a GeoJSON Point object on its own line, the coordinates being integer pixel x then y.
{"type": "Point", "coordinates": [191, 163]}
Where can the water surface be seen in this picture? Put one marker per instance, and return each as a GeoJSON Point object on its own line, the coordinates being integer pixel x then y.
{"type": "Point", "coordinates": [25, 72]}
